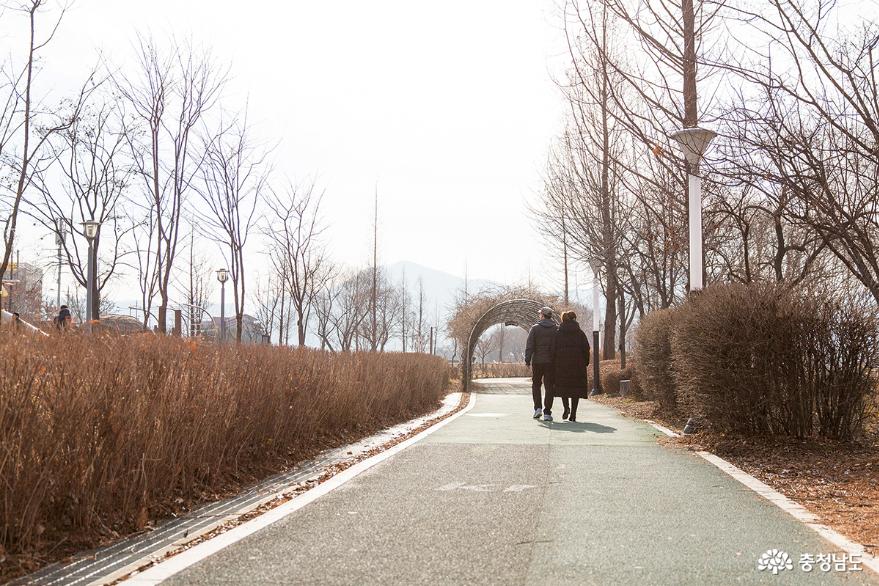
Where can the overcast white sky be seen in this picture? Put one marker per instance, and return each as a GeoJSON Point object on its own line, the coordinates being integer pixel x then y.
{"type": "Point", "coordinates": [448, 107]}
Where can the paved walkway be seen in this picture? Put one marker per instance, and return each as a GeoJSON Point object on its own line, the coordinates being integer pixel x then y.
{"type": "Point", "coordinates": [498, 498]}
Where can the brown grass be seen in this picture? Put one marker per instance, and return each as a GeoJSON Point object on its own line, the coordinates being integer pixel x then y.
{"type": "Point", "coordinates": [100, 434]}
{"type": "Point", "coordinates": [501, 370]}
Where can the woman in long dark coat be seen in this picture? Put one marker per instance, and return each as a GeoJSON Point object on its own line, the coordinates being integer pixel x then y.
{"type": "Point", "coordinates": [570, 358]}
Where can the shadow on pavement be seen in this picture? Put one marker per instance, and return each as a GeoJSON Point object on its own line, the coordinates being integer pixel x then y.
{"type": "Point", "coordinates": [578, 426]}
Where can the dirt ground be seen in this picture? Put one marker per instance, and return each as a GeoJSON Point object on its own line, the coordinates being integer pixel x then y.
{"type": "Point", "coordinates": [839, 482]}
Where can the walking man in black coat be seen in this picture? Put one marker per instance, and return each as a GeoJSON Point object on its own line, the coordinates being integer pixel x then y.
{"type": "Point", "coordinates": [538, 355]}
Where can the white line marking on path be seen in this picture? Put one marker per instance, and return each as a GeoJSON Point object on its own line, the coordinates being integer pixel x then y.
{"type": "Point", "coordinates": [519, 487]}
{"type": "Point", "coordinates": [197, 553]}
{"type": "Point", "coordinates": [787, 505]}
{"type": "Point", "coordinates": [663, 429]}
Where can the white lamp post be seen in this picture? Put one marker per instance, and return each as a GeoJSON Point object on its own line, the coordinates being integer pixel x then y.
{"type": "Point", "coordinates": [693, 142]}
{"type": "Point", "coordinates": [222, 277]}
{"type": "Point", "coordinates": [595, 264]}
{"type": "Point", "coordinates": [90, 227]}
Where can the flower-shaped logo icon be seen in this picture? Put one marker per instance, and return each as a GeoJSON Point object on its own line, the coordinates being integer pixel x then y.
{"type": "Point", "coordinates": [775, 561]}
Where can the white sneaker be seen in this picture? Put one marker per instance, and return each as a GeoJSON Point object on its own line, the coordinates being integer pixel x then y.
{"type": "Point", "coordinates": [538, 413]}
{"type": "Point", "coordinates": [547, 417]}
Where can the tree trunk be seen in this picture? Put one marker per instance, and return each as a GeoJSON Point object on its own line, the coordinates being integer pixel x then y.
{"type": "Point", "coordinates": [610, 316]}
{"type": "Point", "coordinates": [623, 321]}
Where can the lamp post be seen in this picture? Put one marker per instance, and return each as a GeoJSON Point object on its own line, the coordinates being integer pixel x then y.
{"type": "Point", "coordinates": [595, 264]}
{"type": "Point", "coordinates": [693, 142]}
{"type": "Point", "coordinates": [90, 227]}
{"type": "Point", "coordinates": [59, 242]}
{"type": "Point", "coordinates": [222, 277]}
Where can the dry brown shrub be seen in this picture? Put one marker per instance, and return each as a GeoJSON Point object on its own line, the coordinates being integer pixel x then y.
{"type": "Point", "coordinates": [653, 349]}
{"type": "Point", "coordinates": [612, 374]}
{"type": "Point", "coordinates": [763, 358]}
{"type": "Point", "coordinates": [99, 434]}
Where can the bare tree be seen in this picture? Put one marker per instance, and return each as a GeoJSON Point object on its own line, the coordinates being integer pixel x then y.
{"type": "Point", "coordinates": [583, 199]}
{"type": "Point", "coordinates": [168, 97]}
{"type": "Point", "coordinates": [404, 298]}
{"type": "Point", "coordinates": [325, 308]}
{"type": "Point", "coordinates": [24, 128]}
{"type": "Point", "coordinates": [86, 180]}
{"type": "Point", "coordinates": [234, 175]}
{"type": "Point", "coordinates": [268, 298]}
{"type": "Point", "coordinates": [197, 288]}
{"type": "Point", "coordinates": [294, 225]}
{"type": "Point", "coordinates": [419, 339]}
{"type": "Point", "coordinates": [390, 302]}
{"type": "Point", "coordinates": [143, 232]}
{"type": "Point", "coordinates": [808, 139]}
{"type": "Point", "coordinates": [373, 337]}
{"type": "Point", "coordinates": [353, 307]}
{"type": "Point", "coordinates": [485, 346]}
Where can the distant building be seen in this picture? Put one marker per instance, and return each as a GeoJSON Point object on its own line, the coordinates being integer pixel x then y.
{"type": "Point", "coordinates": [252, 329]}
{"type": "Point", "coordinates": [121, 324]}
{"type": "Point", "coordinates": [23, 291]}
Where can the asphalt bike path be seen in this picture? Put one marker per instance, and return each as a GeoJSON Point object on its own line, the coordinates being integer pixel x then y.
{"type": "Point", "coordinates": [496, 497]}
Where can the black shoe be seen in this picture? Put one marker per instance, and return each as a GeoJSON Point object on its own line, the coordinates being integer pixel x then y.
{"type": "Point", "coordinates": [566, 413]}
{"type": "Point", "coordinates": [573, 419]}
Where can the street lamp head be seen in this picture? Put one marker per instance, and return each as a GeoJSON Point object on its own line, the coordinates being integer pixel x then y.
{"type": "Point", "coordinates": [693, 142]}
{"type": "Point", "coordinates": [91, 228]}
{"type": "Point", "coordinates": [222, 275]}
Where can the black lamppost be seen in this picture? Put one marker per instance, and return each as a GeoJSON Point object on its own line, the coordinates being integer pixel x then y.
{"type": "Point", "coordinates": [222, 277]}
{"type": "Point", "coordinates": [91, 232]}
{"type": "Point", "coordinates": [595, 264]}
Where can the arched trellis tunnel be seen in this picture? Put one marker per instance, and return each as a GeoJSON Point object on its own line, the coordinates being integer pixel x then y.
{"type": "Point", "coordinates": [515, 312]}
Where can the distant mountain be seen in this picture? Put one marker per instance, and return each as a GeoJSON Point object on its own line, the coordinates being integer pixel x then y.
{"type": "Point", "coordinates": [440, 288]}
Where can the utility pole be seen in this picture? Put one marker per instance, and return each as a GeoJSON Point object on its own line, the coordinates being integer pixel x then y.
{"type": "Point", "coordinates": [374, 341]}
{"type": "Point", "coordinates": [403, 289]}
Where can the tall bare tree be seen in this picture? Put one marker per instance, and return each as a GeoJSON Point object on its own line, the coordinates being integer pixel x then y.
{"type": "Point", "coordinates": [294, 225]}
{"type": "Point", "coordinates": [24, 126]}
{"type": "Point", "coordinates": [234, 177]}
{"type": "Point", "coordinates": [168, 96]}
{"type": "Point", "coordinates": [808, 125]}
{"type": "Point", "coordinates": [86, 180]}
{"type": "Point", "coordinates": [353, 308]}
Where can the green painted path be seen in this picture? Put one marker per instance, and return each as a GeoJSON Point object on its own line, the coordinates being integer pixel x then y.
{"type": "Point", "coordinates": [496, 497]}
